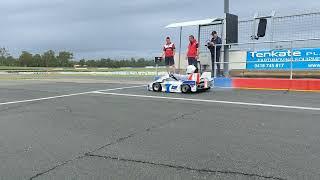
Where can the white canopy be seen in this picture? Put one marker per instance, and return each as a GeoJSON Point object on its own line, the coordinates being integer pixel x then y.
{"type": "Point", "coordinates": [194, 23]}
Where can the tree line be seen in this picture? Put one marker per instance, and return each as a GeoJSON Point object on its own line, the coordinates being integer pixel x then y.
{"type": "Point", "coordinates": [65, 59]}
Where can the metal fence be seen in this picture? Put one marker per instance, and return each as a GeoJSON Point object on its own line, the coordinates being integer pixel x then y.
{"type": "Point", "coordinates": [292, 27]}
{"type": "Point", "coordinates": [301, 31]}
{"type": "Point", "coordinates": [292, 61]}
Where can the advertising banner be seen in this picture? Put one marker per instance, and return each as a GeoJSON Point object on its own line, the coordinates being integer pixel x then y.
{"type": "Point", "coordinates": [298, 59]}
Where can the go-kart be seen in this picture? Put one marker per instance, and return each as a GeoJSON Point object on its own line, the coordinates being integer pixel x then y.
{"type": "Point", "coordinates": [175, 83]}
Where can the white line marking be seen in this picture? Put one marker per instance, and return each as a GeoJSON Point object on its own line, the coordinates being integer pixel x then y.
{"type": "Point", "coordinates": [121, 88]}
{"type": "Point", "coordinates": [214, 101]}
{"type": "Point", "coordinates": [67, 95]}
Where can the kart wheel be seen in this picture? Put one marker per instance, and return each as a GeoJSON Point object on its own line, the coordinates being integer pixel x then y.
{"type": "Point", "coordinates": [185, 88]}
{"type": "Point", "coordinates": [156, 87]}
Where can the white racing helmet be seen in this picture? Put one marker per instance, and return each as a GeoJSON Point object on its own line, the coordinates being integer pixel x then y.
{"type": "Point", "coordinates": [191, 69]}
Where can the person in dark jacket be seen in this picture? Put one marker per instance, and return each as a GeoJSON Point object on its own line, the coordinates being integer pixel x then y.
{"type": "Point", "coordinates": [215, 48]}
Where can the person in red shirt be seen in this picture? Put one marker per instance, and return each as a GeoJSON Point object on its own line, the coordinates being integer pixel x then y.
{"type": "Point", "coordinates": [169, 51]}
{"type": "Point", "coordinates": [193, 52]}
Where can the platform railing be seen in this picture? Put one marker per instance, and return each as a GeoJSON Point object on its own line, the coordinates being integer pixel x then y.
{"type": "Point", "coordinates": [287, 58]}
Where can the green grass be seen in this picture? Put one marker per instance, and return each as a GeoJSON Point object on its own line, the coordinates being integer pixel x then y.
{"type": "Point", "coordinates": [20, 68]}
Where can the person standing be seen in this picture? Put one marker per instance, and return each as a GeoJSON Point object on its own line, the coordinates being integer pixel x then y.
{"type": "Point", "coordinates": [215, 49]}
{"type": "Point", "coordinates": [193, 52]}
{"type": "Point", "coordinates": [169, 51]}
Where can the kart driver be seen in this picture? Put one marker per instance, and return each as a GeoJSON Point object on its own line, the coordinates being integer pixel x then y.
{"type": "Point", "coordinates": [191, 69]}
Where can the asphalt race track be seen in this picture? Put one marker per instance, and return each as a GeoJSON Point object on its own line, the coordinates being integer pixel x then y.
{"type": "Point", "coordinates": [81, 130]}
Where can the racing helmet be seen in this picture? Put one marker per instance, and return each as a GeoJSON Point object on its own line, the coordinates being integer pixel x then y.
{"type": "Point", "coordinates": [191, 69]}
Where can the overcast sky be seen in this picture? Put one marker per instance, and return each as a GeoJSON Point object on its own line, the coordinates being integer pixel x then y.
{"type": "Point", "coordinates": [96, 28]}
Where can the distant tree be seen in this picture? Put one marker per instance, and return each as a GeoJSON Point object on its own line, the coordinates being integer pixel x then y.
{"type": "Point", "coordinates": [3, 56]}
{"type": "Point", "coordinates": [11, 61]}
{"type": "Point", "coordinates": [64, 59]}
{"type": "Point", "coordinates": [141, 62]}
{"type": "Point", "coordinates": [4, 52]}
{"type": "Point", "coordinates": [50, 59]}
{"type": "Point", "coordinates": [82, 62]}
{"type": "Point", "coordinates": [37, 61]}
{"type": "Point", "coordinates": [103, 63]}
{"type": "Point", "coordinates": [25, 59]}
{"type": "Point", "coordinates": [91, 63]}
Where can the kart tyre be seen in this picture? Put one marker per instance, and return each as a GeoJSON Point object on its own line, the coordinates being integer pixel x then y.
{"type": "Point", "coordinates": [156, 87]}
{"type": "Point", "coordinates": [185, 88]}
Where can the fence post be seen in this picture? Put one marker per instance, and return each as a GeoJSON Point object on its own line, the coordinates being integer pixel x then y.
{"type": "Point", "coordinates": [215, 67]}
{"type": "Point", "coordinates": [180, 44]}
{"type": "Point", "coordinates": [291, 62]}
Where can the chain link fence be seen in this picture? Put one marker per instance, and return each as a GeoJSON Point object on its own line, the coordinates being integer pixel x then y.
{"type": "Point", "coordinates": [280, 28]}
{"type": "Point", "coordinates": [286, 33]}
